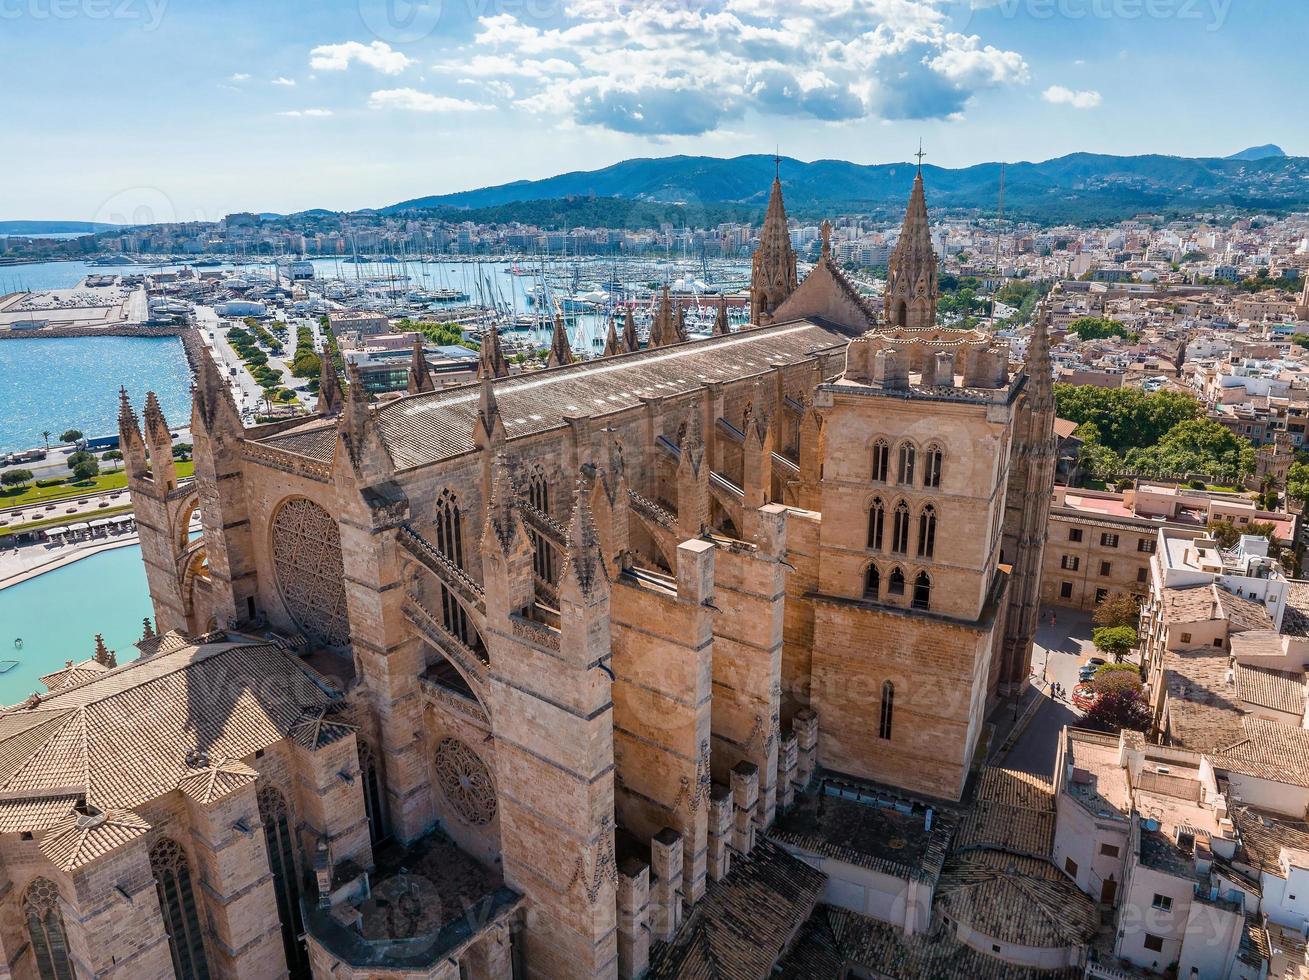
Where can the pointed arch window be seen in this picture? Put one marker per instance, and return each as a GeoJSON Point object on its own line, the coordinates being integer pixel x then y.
{"type": "Point", "coordinates": [177, 900]}
{"type": "Point", "coordinates": [922, 591]}
{"type": "Point", "coordinates": [881, 461]}
{"type": "Point", "coordinates": [900, 529]}
{"type": "Point", "coordinates": [872, 583]}
{"type": "Point", "coordinates": [450, 542]}
{"type": "Point", "coordinates": [906, 463]}
{"type": "Point", "coordinates": [876, 523]}
{"type": "Point", "coordinates": [370, 770]}
{"type": "Point", "coordinates": [932, 467]}
{"type": "Point", "coordinates": [274, 814]}
{"type": "Point", "coordinates": [45, 930]}
{"type": "Point", "coordinates": [895, 586]}
{"type": "Point", "coordinates": [927, 532]}
{"type": "Point", "coordinates": [543, 553]}
{"type": "Point", "coordinates": [888, 711]}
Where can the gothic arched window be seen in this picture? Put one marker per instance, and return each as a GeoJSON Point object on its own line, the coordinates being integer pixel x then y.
{"type": "Point", "coordinates": [538, 490]}
{"type": "Point", "coordinates": [927, 532]}
{"type": "Point", "coordinates": [876, 523]}
{"type": "Point", "coordinates": [900, 529]}
{"type": "Point", "coordinates": [932, 466]}
{"type": "Point", "coordinates": [872, 583]}
{"type": "Point", "coordinates": [888, 710]}
{"type": "Point", "coordinates": [896, 584]}
{"type": "Point", "coordinates": [275, 816]}
{"type": "Point", "coordinates": [538, 495]}
{"type": "Point", "coordinates": [881, 461]}
{"type": "Point", "coordinates": [177, 900]}
{"type": "Point", "coordinates": [906, 472]}
{"type": "Point", "coordinates": [449, 528]}
{"type": "Point", "coordinates": [45, 930]}
{"type": "Point", "coordinates": [374, 799]}
{"type": "Point", "coordinates": [922, 591]}
{"type": "Point", "coordinates": [901, 314]}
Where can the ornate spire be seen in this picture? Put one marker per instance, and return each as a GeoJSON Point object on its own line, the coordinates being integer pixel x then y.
{"type": "Point", "coordinates": [103, 655]}
{"type": "Point", "coordinates": [502, 517]}
{"type": "Point", "coordinates": [329, 389]}
{"type": "Point", "coordinates": [420, 376]}
{"type": "Point", "coordinates": [147, 629]}
{"type": "Point", "coordinates": [212, 405]}
{"type": "Point", "coordinates": [631, 343]}
{"type": "Point", "coordinates": [611, 339]}
{"type": "Point", "coordinates": [156, 426]}
{"type": "Point", "coordinates": [561, 351]}
{"type": "Point", "coordinates": [722, 327]}
{"type": "Point", "coordinates": [911, 288]}
{"type": "Point", "coordinates": [663, 329]}
{"type": "Point", "coordinates": [772, 273]}
{"type": "Point", "coordinates": [826, 230]}
{"type": "Point", "coordinates": [583, 569]}
{"type": "Point", "coordinates": [489, 429]}
{"type": "Point", "coordinates": [682, 335]}
{"type": "Point", "coordinates": [491, 357]}
{"type": "Point", "coordinates": [1038, 366]}
{"type": "Point", "coordinates": [130, 442]}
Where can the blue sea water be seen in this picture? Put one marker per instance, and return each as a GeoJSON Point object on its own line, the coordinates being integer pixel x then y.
{"type": "Point", "coordinates": [57, 615]}
{"type": "Point", "coordinates": [57, 384]}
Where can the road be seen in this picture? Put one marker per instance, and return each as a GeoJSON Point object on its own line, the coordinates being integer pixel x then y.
{"type": "Point", "coordinates": [249, 396]}
{"type": "Point", "coordinates": [1060, 649]}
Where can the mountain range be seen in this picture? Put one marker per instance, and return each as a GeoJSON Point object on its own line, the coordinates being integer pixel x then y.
{"type": "Point", "coordinates": [1080, 186]}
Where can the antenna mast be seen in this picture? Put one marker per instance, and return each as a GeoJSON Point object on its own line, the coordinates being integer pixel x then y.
{"type": "Point", "coordinates": [999, 219]}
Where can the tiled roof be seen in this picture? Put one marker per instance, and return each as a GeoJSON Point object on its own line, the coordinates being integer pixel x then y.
{"type": "Point", "coordinates": [207, 783]}
{"type": "Point", "coordinates": [1193, 604]}
{"type": "Point", "coordinates": [73, 674]}
{"type": "Point", "coordinates": [1203, 713]}
{"type": "Point", "coordinates": [1263, 835]}
{"type": "Point", "coordinates": [1278, 753]}
{"type": "Point", "coordinates": [1013, 899]}
{"type": "Point", "coordinates": [1012, 811]}
{"type": "Point", "coordinates": [140, 730]}
{"type": "Point", "coordinates": [1295, 617]}
{"type": "Point", "coordinates": [743, 924]}
{"type": "Point", "coordinates": [436, 425]}
{"type": "Point", "coordinates": [77, 840]}
{"type": "Point", "coordinates": [1280, 690]}
{"type": "Point", "coordinates": [835, 938]}
{"type": "Point", "coordinates": [1241, 613]}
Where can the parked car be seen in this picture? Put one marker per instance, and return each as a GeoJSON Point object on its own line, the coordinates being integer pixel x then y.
{"type": "Point", "coordinates": [1088, 669]}
{"type": "Point", "coordinates": [1083, 697]}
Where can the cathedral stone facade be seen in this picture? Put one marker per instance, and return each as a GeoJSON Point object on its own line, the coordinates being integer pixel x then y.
{"type": "Point", "coordinates": [542, 661]}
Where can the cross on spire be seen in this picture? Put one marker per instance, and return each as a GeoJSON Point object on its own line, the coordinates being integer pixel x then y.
{"type": "Point", "coordinates": [777, 163]}
{"type": "Point", "coordinates": [920, 154]}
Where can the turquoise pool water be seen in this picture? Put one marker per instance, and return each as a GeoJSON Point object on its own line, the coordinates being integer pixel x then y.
{"type": "Point", "coordinates": [58, 614]}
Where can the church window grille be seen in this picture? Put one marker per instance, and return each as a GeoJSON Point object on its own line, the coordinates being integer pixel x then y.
{"type": "Point", "coordinates": [465, 782]}
{"type": "Point", "coordinates": [274, 814]}
{"type": "Point", "coordinates": [876, 523]}
{"type": "Point", "coordinates": [310, 573]}
{"type": "Point", "coordinates": [896, 584]}
{"type": "Point", "coordinates": [45, 929]}
{"type": "Point", "coordinates": [932, 467]}
{"type": "Point", "coordinates": [538, 495]}
{"type": "Point", "coordinates": [907, 454]}
{"type": "Point", "coordinates": [888, 711]}
{"type": "Point", "coordinates": [900, 529]}
{"type": "Point", "coordinates": [177, 899]}
{"type": "Point", "coordinates": [872, 583]}
{"type": "Point", "coordinates": [881, 461]}
{"type": "Point", "coordinates": [450, 542]}
{"type": "Point", "coordinates": [927, 532]}
{"type": "Point", "coordinates": [923, 591]}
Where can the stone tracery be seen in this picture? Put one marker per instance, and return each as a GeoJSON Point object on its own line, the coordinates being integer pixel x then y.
{"type": "Point", "coordinates": [307, 557]}
{"type": "Point", "coordinates": [466, 782]}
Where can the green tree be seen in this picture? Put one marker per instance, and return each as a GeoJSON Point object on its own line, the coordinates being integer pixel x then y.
{"type": "Point", "coordinates": [45, 435]}
{"type": "Point", "coordinates": [16, 478]}
{"type": "Point", "coordinates": [1098, 328]}
{"type": "Point", "coordinates": [1116, 641]}
{"type": "Point", "coordinates": [81, 456]}
{"type": "Point", "coordinates": [112, 456]}
{"type": "Point", "coordinates": [1197, 446]}
{"type": "Point", "coordinates": [1297, 482]}
{"type": "Point", "coordinates": [1117, 609]}
{"type": "Point", "coordinates": [87, 469]}
{"type": "Point", "coordinates": [1116, 677]}
{"type": "Point", "coordinates": [1115, 710]}
{"type": "Point", "coordinates": [71, 435]}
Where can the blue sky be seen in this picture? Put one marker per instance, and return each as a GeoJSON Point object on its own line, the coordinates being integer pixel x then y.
{"type": "Point", "coordinates": [174, 109]}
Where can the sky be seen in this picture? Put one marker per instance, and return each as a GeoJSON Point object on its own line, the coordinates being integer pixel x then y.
{"type": "Point", "coordinates": [162, 110]}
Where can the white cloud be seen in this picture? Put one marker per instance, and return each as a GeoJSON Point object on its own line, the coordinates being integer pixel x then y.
{"type": "Point", "coordinates": [666, 67]}
{"type": "Point", "coordinates": [240, 76]}
{"type": "Point", "coordinates": [283, 80]}
{"type": "Point", "coordinates": [412, 100]}
{"type": "Point", "coordinates": [306, 113]}
{"type": "Point", "coordinates": [379, 56]}
{"type": "Point", "coordinates": [1058, 95]}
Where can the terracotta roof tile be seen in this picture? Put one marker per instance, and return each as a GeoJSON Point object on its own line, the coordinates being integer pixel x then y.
{"type": "Point", "coordinates": [1012, 811]}
{"type": "Point", "coordinates": [77, 839]}
{"type": "Point", "coordinates": [1280, 690]}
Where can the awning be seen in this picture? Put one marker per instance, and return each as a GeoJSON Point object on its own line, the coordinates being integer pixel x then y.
{"type": "Point", "coordinates": [54, 532]}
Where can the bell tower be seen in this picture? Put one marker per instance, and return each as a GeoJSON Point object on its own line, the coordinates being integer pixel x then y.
{"type": "Point", "coordinates": [911, 282]}
{"type": "Point", "coordinates": [772, 273]}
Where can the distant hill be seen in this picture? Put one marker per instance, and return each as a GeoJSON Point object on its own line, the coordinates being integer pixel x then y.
{"type": "Point", "coordinates": [1259, 152]}
{"type": "Point", "coordinates": [53, 227]}
{"type": "Point", "coordinates": [1081, 186]}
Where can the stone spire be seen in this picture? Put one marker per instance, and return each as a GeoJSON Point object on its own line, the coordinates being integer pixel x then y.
{"type": "Point", "coordinates": [147, 629]}
{"type": "Point", "coordinates": [491, 356]}
{"type": "Point", "coordinates": [772, 272]}
{"type": "Point", "coordinates": [682, 335]}
{"type": "Point", "coordinates": [722, 326]}
{"type": "Point", "coordinates": [369, 456]}
{"type": "Point", "coordinates": [160, 442]}
{"type": "Point", "coordinates": [663, 329]}
{"type": "Point", "coordinates": [826, 231]}
{"type": "Point", "coordinates": [611, 339]}
{"type": "Point", "coordinates": [212, 406]}
{"type": "Point", "coordinates": [583, 575]}
{"type": "Point", "coordinates": [631, 343]}
{"type": "Point", "coordinates": [911, 287]}
{"type": "Point", "coordinates": [420, 376]}
{"type": "Point", "coordinates": [103, 655]}
{"type": "Point", "coordinates": [561, 351]}
{"type": "Point", "coordinates": [1040, 371]}
{"type": "Point", "coordinates": [130, 442]}
{"type": "Point", "coordinates": [329, 389]}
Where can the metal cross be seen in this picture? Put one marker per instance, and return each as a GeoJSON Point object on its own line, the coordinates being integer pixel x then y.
{"type": "Point", "coordinates": [920, 154]}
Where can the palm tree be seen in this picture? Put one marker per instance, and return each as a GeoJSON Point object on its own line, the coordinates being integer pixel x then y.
{"type": "Point", "coordinates": [46, 436]}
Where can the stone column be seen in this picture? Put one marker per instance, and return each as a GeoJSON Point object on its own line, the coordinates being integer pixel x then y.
{"type": "Point", "coordinates": [788, 756]}
{"type": "Point", "coordinates": [633, 919]}
{"type": "Point", "coordinates": [666, 884]}
{"type": "Point", "coordinates": [745, 797]}
{"type": "Point", "coordinates": [720, 832]}
{"type": "Point", "coordinates": [805, 726]}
